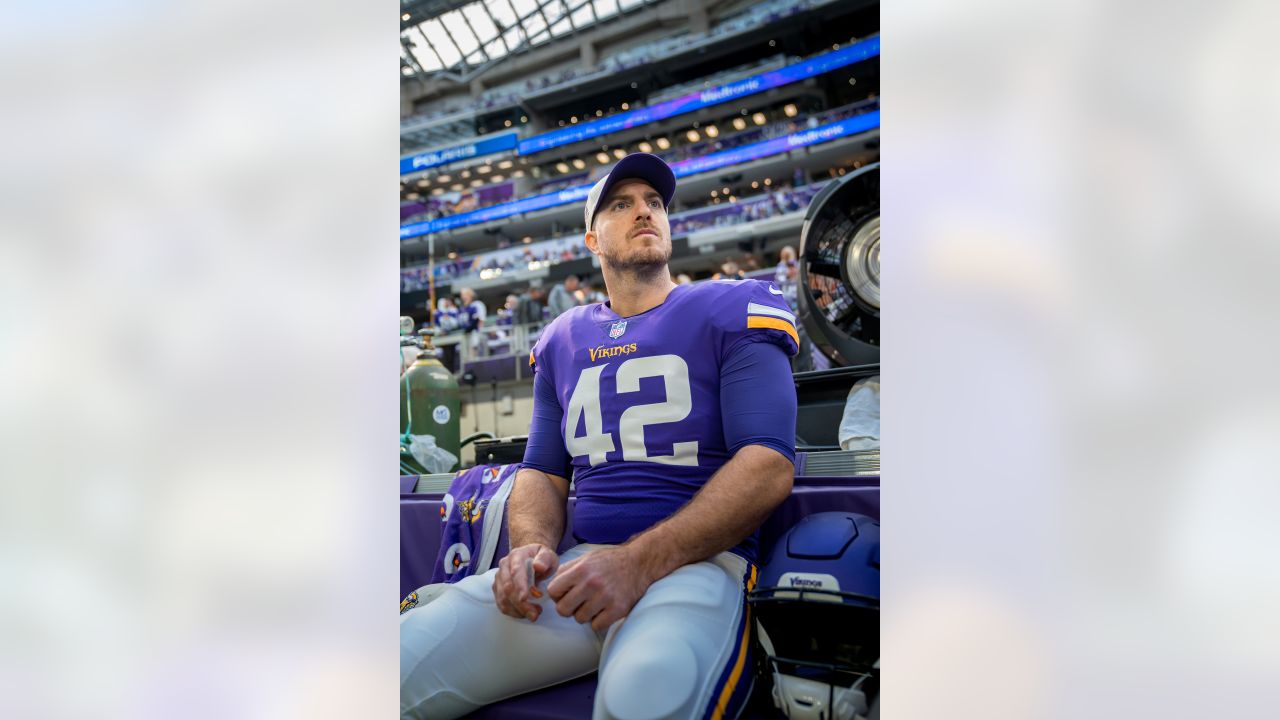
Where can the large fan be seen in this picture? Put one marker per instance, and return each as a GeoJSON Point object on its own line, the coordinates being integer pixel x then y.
{"type": "Point", "coordinates": [840, 269]}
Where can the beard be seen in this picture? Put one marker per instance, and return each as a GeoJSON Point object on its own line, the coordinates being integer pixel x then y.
{"type": "Point", "coordinates": [640, 261]}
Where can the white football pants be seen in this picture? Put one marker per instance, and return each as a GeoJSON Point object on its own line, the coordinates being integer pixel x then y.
{"type": "Point", "coordinates": [683, 652]}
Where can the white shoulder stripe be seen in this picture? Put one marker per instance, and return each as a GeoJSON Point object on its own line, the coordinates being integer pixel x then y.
{"type": "Point", "coordinates": [758, 309]}
{"type": "Point", "coordinates": [775, 290]}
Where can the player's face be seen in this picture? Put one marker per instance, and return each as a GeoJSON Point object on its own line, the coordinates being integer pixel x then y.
{"type": "Point", "coordinates": [631, 227]}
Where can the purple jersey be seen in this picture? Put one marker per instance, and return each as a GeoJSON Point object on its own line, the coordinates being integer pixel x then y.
{"type": "Point", "coordinates": [640, 399]}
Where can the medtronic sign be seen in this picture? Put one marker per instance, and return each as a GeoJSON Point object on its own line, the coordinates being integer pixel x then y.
{"type": "Point", "coordinates": [824, 63]}
{"type": "Point", "coordinates": [823, 133]}
{"type": "Point", "coordinates": [435, 158]}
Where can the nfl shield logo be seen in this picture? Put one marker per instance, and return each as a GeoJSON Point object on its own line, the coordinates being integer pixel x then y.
{"type": "Point", "coordinates": [617, 329]}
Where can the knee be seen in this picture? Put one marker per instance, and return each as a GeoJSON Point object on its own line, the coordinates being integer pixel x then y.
{"type": "Point", "coordinates": [649, 680]}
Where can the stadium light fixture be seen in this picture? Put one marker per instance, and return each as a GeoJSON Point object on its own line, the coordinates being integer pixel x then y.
{"type": "Point", "coordinates": [506, 123]}
{"type": "Point", "coordinates": [406, 17]}
{"type": "Point", "coordinates": [712, 131]}
{"type": "Point", "coordinates": [518, 174]}
{"type": "Point", "coordinates": [505, 164]}
{"type": "Point", "coordinates": [578, 163]}
{"type": "Point", "coordinates": [457, 187]}
{"type": "Point", "coordinates": [693, 136]}
{"type": "Point", "coordinates": [790, 109]}
{"type": "Point", "coordinates": [466, 174]}
{"type": "Point", "coordinates": [645, 147]}
{"type": "Point", "coordinates": [562, 167]}
{"type": "Point", "coordinates": [443, 179]}
{"type": "Point", "coordinates": [484, 169]}
{"type": "Point", "coordinates": [619, 153]}
{"type": "Point", "coordinates": [497, 178]}
{"type": "Point", "coordinates": [603, 158]}
{"type": "Point", "coordinates": [412, 196]}
{"type": "Point", "coordinates": [768, 181]}
{"type": "Point", "coordinates": [663, 143]}
{"type": "Point", "coordinates": [524, 118]}
{"type": "Point", "coordinates": [477, 182]}
{"type": "Point", "coordinates": [422, 182]}
{"type": "Point", "coordinates": [758, 118]}
{"type": "Point", "coordinates": [739, 124]}
{"type": "Point", "coordinates": [626, 106]}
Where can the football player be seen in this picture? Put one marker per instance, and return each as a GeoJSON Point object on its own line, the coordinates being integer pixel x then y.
{"type": "Point", "coordinates": [673, 409]}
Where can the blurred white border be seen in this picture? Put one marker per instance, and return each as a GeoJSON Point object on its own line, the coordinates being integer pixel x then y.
{"type": "Point", "coordinates": [1081, 410]}
{"type": "Point", "coordinates": [198, 287]}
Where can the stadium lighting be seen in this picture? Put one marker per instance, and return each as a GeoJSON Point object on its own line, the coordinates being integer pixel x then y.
{"type": "Point", "coordinates": [453, 255]}
{"type": "Point", "coordinates": [790, 109]}
{"type": "Point", "coordinates": [603, 157]}
{"type": "Point", "coordinates": [693, 136]}
{"type": "Point", "coordinates": [524, 118]}
{"type": "Point", "coordinates": [456, 187]}
{"type": "Point", "coordinates": [619, 153]}
{"type": "Point", "coordinates": [438, 191]}
{"type": "Point", "coordinates": [599, 113]}
{"type": "Point", "coordinates": [518, 174]}
{"type": "Point", "coordinates": [755, 184]}
{"type": "Point", "coordinates": [527, 239]}
{"type": "Point", "coordinates": [562, 167]}
{"type": "Point", "coordinates": [505, 164]}
{"type": "Point", "coordinates": [443, 179]}
{"type": "Point", "coordinates": [497, 178]}
{"type": "Point", "coordinates": [506, 123]}
{"type": "Point", "coordinates": [422, 182]}
{"type": "Point", "coordinates": [626, 106]}
{"type": "Point", "coordinates": [406, 71]}
{"type": "Point", "coordinates": [712, 131]}
{"type": "Point", "coordinates": [663, 143]}
{"type": "Point", "coordinates": [739, 124]}
{"type": "Point", "coordinates": [477, 182]}
{"type": "Point", "coordinates": [715, 193]}
{"type": "Point", "coordinates": [484, 169]}
{"type": "Point", "coordinates": [645, 147]}
{"type": "Point", "coordinates": [768, 181]}
{"type": "Point", "coordinates": [406, 17]}
{"type": "Point", "coordinates": [466, 174]}
{"type": "Point", "coordinates": [412, 196]}
{"type": "Point", "coordinates": [578, 163]}
{"type": "Point", "coordinates": [758, 118]}
{"type": "Point", "coordinates": [573, 118]}
{"type": "Point", "coordinates": [725, 191]}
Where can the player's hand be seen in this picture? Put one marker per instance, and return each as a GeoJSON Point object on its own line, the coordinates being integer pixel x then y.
{"type": "Point", "coordinates": [513, 586]}
{"type": "Point", "coordinates": [600, 587]}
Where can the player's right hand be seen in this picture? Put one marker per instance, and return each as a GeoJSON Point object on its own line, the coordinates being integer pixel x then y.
{"type": "Point", "coordinates": [512, 589]}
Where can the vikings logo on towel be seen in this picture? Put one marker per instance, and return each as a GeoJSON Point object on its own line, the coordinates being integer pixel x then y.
{"type": "Point", "coordinates": [409, 603]}
{"type": "Point", "coordinates": [616, 330]}
{"type": "Point", "coordinates": [472, 521]}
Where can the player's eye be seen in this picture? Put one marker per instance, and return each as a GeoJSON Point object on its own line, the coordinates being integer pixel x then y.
{"type": "Point", "coordinates": [655, 203]}
{"type": "Point", "coordinates": [620, 204]}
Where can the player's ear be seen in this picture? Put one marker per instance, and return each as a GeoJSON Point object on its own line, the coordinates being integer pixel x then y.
{"type": "Point", "coordinates": [593, 243]}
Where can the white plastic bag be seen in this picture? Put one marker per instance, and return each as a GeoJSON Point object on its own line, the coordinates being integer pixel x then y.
{"type": "Point", "coordinates": [432, 458]}
{"type": "Point", "coordinates": [860, 426]}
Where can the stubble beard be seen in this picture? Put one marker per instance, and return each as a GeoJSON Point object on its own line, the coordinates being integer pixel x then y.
{"type": "Point", "coordinates": [643, 264]}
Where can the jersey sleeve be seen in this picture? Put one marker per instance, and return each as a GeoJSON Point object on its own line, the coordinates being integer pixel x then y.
{"type": "Point", "coordinates": [545, 450]}
{"type": "Point", "coordinates": [755, 311]}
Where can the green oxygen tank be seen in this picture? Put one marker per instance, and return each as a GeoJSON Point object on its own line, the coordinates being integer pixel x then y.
{"type": "Point", "coordinates": [429, 406]}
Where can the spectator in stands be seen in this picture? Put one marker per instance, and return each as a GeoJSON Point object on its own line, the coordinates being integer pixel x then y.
{"type": "Point", "coordinates": [729, 271]}
{"type": "Point", "coordinates": [530, 308]}
{"type": "Point", "coordinates": [471, 316]}
{"type": "Point", "coordinates": [446, 315]}
{"type": "Point", "coordinates": [507, 313]}
{"type": "Point", "coordinates": [589, 294]}
{"type": "Point", "coordinates": [786, 270]}
{"type": "Point", "coordinates": [684, 279]}
{"type": "Point", "coordinates": [564, 296]}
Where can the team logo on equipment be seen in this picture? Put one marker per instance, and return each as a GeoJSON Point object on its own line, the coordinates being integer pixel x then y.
{"type": "Point", "coordinates": [470, 510]}
{"type": "Point", "coordinates": [456, 557]}
{"type": "Point", "coordinates": [409, 603]}
{"type": "Point", "coordinates": [616, 330]}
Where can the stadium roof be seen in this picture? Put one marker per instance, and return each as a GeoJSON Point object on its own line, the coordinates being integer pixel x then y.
{"type": "Point", "coordinates": [458, 38]}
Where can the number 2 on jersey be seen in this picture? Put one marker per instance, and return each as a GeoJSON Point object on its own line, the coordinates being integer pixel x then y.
{"type": "Point", "coordinates": [584, 406]}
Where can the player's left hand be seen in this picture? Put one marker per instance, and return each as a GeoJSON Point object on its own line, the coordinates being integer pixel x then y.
{"type": "Point", "coordinates": [600, 587]}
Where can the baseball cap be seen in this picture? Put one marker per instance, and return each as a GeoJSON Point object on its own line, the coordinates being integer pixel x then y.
{"type": "Point", "coordinates": [640, 166]}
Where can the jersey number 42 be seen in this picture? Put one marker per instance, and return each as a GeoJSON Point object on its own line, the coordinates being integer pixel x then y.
{"type": "Point", "coordinates": [584, 406]}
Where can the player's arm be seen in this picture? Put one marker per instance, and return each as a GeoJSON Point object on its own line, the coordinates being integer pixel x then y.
{"type": "Point", "coordinates": [536, 508]}
{"type": "Point", "coordinates": [758, 402]}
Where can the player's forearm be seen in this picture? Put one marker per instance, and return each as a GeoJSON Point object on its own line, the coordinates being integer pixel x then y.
{"type": "Point", "coordinates": [536, 510]}
{"type": "Point", "coordinates": [733, 503]}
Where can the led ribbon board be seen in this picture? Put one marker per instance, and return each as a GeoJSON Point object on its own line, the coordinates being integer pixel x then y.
{"type": "Point", "coordinates": [822, 133]}
{"type": "Point", "coordinates": [819, 65]}
{"type": "Point", "coordinates": [436, 158]}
